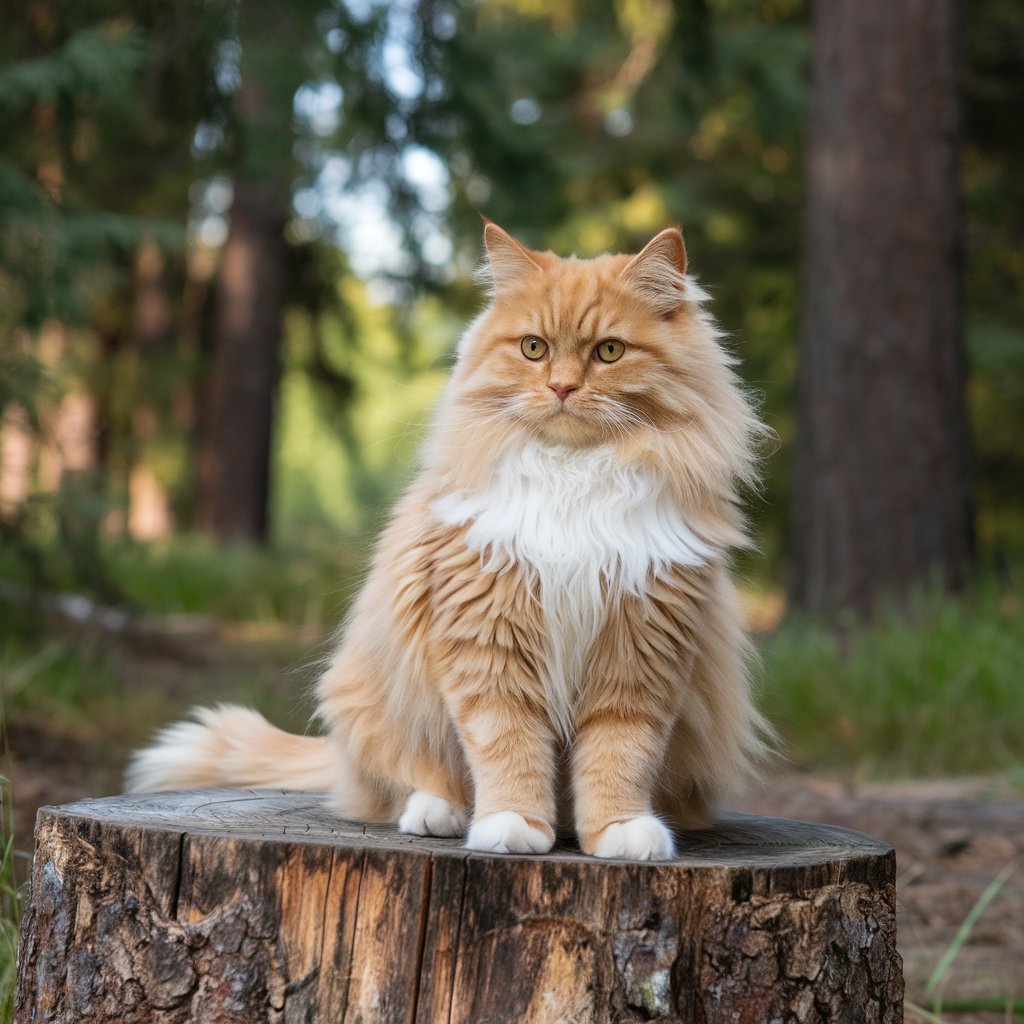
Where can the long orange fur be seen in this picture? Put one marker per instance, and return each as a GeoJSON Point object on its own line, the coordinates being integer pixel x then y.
{"type": "Point", "coordinates": [437, 686]}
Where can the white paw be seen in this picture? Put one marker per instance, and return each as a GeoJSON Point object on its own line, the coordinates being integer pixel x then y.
{"type": "Point", "coordinates": [429, 815]}
{"type": "Point", "coordinates": [643, 838]}
{"type": "Point", "coordinates": [507, 832]}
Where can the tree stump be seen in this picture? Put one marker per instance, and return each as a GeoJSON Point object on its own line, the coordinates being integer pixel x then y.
{"type": "Point", "coordinates": [256, 905]}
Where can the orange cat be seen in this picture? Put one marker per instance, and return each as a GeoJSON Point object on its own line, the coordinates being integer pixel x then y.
{"type": "Point", "coordinates": [548, 636]}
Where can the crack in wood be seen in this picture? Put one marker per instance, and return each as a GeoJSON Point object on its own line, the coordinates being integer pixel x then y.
{"type": "Point", "coordinates": [458, 937]}
{"type": "Point", "coordinates": [355, 926]}
{"type": "Point", "coordinates": [428, 873]}
{"type": "Point", "coordinates": [176, 884]}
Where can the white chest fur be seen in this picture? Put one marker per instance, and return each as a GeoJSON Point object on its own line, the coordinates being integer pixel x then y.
{"type": "Point", "coordinates": [590, 528]}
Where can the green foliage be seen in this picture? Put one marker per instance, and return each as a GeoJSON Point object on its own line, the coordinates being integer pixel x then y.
{"type": "Point", "coordinates": [993, 175]}
{"type": "Point", "coordinates": [581, 127]}
{"type": "Point", "coordinates": [340, 456]}
{"type": "Point", "coordinates": [98, 103]}
{"type": "Point", "coordinates": [931, 690]}
{"type": "Point", "coordinates": [48, 241]}
{"type": "Point", "coordinates": [52, 540]}
{"type": "Point", "coordinates": [93, 62]}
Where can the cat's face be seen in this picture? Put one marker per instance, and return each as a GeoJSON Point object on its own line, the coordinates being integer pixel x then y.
{"type": "Point", "coordinates": [582, 351]}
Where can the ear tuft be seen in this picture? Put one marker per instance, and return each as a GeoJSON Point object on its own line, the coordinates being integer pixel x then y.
{"type": "Point", "coordinates": [659, 271]}
{"type": "Point", "coordinates": [508, 261]}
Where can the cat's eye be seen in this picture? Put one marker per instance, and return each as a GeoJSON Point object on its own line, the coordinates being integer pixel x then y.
{"type": "Point", "coordinates": [533, 347]}
{"type": "Point", "coordinates": [609, 350]}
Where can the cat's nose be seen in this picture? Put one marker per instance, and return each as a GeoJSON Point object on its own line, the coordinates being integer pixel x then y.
{"type": "Point", "coordinates": [562, 390]}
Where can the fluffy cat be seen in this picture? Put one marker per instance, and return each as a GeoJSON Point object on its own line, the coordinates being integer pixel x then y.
{"type": "Point", "coordinates": [548, 637]}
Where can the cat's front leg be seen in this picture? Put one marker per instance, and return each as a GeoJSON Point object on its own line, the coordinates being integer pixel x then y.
{"type": "Point", "coordinates": [486, 646]}
{"type": "Point", "coordinates": [616, 755]}
{"type": "Point", "coordinates": [626, 721]}
{"type": "Point", "coordinates": [510, 749]}
{"type": "Point", "coordinates": [509, 746]}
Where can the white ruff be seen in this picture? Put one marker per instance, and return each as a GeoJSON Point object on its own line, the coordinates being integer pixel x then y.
{"type": "Point", "coordinates": [590, 529]}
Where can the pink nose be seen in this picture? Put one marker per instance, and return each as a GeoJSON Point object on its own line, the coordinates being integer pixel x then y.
{"type": "Point", "coordinates": [562, 390]}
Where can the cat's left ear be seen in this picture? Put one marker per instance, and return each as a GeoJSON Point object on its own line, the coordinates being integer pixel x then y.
{"type": "Point", "coordinates": [658, 271]}
{"type": "Point", "coordinates": [508, 261]}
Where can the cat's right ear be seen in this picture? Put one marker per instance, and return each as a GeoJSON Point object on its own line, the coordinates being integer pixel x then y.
{"type": "Point", "coordinates": [659, 271]}
{"type": "Point", "coordinates": [508, 262]}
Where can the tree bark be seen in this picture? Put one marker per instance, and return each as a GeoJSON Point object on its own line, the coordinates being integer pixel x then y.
{"type": "Point", "coordinates": [234, 461]}
{"type": "Point", "coordinates": [246, 906]}
{"type": "Point", "coordinates": [882, 497]}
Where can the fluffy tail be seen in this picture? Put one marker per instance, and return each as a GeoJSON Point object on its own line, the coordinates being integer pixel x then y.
{"type": "Point", "coordinates": [233, 746]}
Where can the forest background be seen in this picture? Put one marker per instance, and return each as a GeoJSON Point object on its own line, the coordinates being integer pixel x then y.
{"type": "Point", "coordinates": [237, 245]}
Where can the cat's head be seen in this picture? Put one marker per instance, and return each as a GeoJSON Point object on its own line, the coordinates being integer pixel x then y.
{"type": "Point", "coordinates": [585, 351]}
{"type": "Point", "coordinates": [611, 350]}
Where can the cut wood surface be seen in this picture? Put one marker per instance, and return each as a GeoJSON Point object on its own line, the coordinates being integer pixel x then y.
{"type": "Point", "coordinates": [258, 905]}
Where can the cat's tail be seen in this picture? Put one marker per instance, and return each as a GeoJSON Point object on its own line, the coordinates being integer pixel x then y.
{"type": "Point", "coordinates": [234, 746]}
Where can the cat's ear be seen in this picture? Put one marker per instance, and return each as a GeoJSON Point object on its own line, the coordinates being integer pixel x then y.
{"type": "Point", "coordinates": [658, 271]}
{"type": "Point", "coordinates": [508, 262]}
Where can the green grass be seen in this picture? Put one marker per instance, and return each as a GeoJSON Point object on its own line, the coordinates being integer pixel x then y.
{"type": "Point", "coordinates": [1008, 1006]}
{"type": "Point", "coordinates": [10, 905]}
{"type": "Point", "coordinates": [238, 583]}
{"type": "Point", "coordinates": [932, 690]}
{"type": "Point", "coordinates": [100, 698]}
{"type": "Point", "coordinates": [56, 678]}
{"type": "Point", "coordinates": [296, 585]}
{"type": "Point", "coordinates": [933, 987]}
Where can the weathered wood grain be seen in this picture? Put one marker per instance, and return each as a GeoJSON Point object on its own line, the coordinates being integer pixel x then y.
{"type": "Point", "coordinates": [248, 906]}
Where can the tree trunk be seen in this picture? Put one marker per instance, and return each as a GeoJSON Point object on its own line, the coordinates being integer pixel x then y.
{"type": "Point", "coordinates": [17, 459]}
{"type": "Point", "coordinates": [150, 514]}
{"type": "Point", "coordinates": [234, 462]}
{"type": "Point", "coordinates": [69, 450]}
{"type": "Point", "coordinates": [882, 477]}
{"type": "Point", "coordinates": [249, 906]}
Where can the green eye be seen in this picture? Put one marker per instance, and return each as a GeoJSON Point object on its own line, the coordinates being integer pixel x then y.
{"type": "Point", "coordinates": [533, 347]}
{"type": "Point", "coordinates": [609, 350]}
